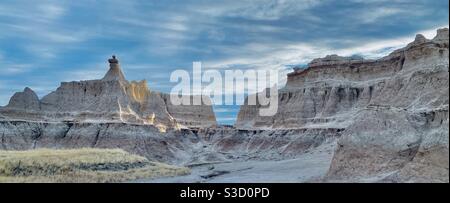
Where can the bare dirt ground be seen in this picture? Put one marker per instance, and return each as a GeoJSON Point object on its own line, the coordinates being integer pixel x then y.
{"type": "Point", "coordinates": [308, 167]}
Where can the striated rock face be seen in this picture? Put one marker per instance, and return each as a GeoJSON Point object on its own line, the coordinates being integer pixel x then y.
{"type": "Point", "coordinates": [114, 73]}
{"type": "Point", "coordinates": [173, 146]}
{"type": "Point", "coordinates": [394, 145]}
{"type": "Point", "coordinates": [334, 89]}
{"type": "Point", "coordinates": [182, 147]}
{"type": "Point", "coordinates": [193, 116]}
{"type": "Point", "coordinates": [335, 59]}
{"type": "Point", "coordinates": [267, 144]}
{"type": "Point", "coordinates": [442, 36]}
{"type": "Point", "coordinates": [394, 111]}
{"type": "Point", "coordinates": [111, 99]}
{"type": "Point", "coordinates": [26, 100]}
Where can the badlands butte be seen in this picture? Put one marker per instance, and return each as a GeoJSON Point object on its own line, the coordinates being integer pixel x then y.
{"type": "Point", "coordinates": [341, 119]}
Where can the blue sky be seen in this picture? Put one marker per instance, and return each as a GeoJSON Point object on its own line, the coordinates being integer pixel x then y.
{"type": "Point", "coordinates": [45, 42]}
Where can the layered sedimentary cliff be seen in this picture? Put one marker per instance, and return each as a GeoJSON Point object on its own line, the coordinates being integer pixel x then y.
{"type": "Point", "coordinates": [192, 116]}
{"type": "Point", "coordinates": [111, 99]}
{"type": "Point", "coordinates": [145, 140]}
{"type": "Point", "coordinates": [332, 89]}
{"type": "Point", "coordinates": [266, 144]}
{"type": "Point", "coordinates": [394, 111]}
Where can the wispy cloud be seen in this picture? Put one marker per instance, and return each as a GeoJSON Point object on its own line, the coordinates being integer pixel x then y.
{"type": "Point", "coordinates": [12, 69]}
{"type": "Point", "coordinates": [378, 13]}
{"type": "Point", "coordinates": [44, 12]}
{"type": "Point", "coordinates": [261, 10]}
{"type": "Point", "coordinates": [51, 11]}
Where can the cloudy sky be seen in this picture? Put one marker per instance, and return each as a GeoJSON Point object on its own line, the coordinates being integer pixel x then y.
{"type": "Point", "coordinates": [45, 42]}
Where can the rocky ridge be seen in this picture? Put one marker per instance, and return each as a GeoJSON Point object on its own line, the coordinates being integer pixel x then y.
{"type": "Point", "coordinates": [394, 112]}
{"type": "Point", "coordinates": [111, 99]}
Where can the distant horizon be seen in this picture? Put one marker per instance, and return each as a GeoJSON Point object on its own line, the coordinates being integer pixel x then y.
{"type": "Point", "coordinates": [50, 42]}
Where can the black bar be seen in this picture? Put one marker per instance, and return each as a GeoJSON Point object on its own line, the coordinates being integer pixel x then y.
{"type": "Point", "coordinates": [301, 192]}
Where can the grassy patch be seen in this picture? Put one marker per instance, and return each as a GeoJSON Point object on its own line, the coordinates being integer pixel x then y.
{"type": "Point", "coordinates": [80, 166]}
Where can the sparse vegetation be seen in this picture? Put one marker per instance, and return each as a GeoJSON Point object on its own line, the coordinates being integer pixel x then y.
{"type": "Point", "coordinates": [80, 166]}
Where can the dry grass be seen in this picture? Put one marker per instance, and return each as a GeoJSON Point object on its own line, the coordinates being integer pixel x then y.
{"type": "Point", "coordinates": [80, 166]}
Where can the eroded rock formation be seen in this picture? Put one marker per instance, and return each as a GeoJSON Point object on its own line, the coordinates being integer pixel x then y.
{"type": "Point", "coordinates": [394, 111]}
{"type": "Point", "coordinates": [111, 99]}
{"type": "Point", "coordinates": [172, 146]}
{"type": "Point", "coordinates": [26, 100]}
